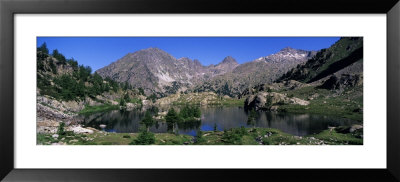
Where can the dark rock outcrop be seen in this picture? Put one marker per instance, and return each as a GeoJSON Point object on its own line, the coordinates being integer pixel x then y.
{"type": "Point", "coordinates": [342, 82]}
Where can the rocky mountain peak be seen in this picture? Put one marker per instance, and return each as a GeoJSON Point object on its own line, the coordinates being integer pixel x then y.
{"type": "Point", "coordinates": [290, 50]}
{"type": "Point", "coordinates": [151, 50]}
{"type": "Point", "coordinates": [229, 60]}
{"type": "Point", "coordinates": [197, 62]}
{"type": "Point", "coordinates": [228, 64]}
{"type": "Point", "coordinates": [287, 49]}
{"type": "Point", "coordinates": [289, 53]}
{"type": "Point", "coordinates": [184, 59]}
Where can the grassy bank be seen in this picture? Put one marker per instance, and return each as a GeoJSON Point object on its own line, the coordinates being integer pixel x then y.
{"type": "Point", "coordinates": [100, 108]}
{"type": "Point", "coordinates": [236, 136]}
{"type": "Point", "coordinates": [104, 138]}
{"type": "Point", "coordinates": [347, 104]}
{"type": "Point", "coordinates": [270, 136]}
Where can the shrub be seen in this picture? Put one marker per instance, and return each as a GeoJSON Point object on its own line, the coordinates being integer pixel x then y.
{"type": "Point", "coordinates": [122, 103]}
{"type": "Point", "coordinates": [60, 130]}
{"type": "Point", "coordinates": [190, 112]}
{"type": "Point", "coordinates": [59, 56]}
{"type": "Point", "coordinates": [43, 48]}
{"type": "Point", "coordinates": [268, 104]}
{"type": "Point", "coordinates": [251, 120]}
{"type": "Point", "coordinates": [230, 137]}
{"type": "Point", "coordinates": [145, 138]}
{"type": "Point", "coordinates": [152, 97]}
{"type": "Point", "coordinates": [148, 120]}
{"type": "Point", "coordinates": [141, 91]}
{"type": "Point", "coordinates": [234, 136]}
{"type": "Point", "coordinates": [172, 117]}
{"type": "Point", "coordinates": [199, 137]}
{"type": "Point", "coordinates": [52, 66]}
{"type": "Point", "coordinates": [242, 131]}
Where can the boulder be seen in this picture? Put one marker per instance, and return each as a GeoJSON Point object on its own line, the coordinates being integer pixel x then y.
{"type": "Point", "coordinates": [271, 101]}
{"type": "Point", "coordinates": [79, 130]}
{"type": "Point", "coordinates": [73, 106]}
{"type": "Point", "coordinates": [274, 108]}
{"type": "Point", "coordinates": [349, 129]}
{"type": "Point", "coordinates": [89, 101]}
{"type": "Point", "coordinates": [131, 106]}
{"type": "Point", "coordinates": [114, 102]}
{"type": "Point", "coordinates": [355, 127]}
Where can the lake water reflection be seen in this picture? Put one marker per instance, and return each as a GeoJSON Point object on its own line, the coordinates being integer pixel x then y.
{"type": "Point", "coordinates": [224, 117]}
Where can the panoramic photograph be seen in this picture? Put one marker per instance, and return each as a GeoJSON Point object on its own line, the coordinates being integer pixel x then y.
{"type": "Point", "coordinates": [199, 91]}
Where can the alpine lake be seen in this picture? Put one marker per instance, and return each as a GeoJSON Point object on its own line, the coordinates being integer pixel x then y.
{"type": "Point", "coordinates": [220, 118]}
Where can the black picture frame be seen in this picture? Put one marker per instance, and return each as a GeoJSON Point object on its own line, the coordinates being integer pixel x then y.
{"type": "Point", "coordinates": [8, 8]}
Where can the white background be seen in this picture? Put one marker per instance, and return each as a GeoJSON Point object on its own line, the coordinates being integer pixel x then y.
{"type": "Point", "coordinates": [371, 155]}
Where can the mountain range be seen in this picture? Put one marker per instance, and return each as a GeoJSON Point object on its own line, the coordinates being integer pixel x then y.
{"type": "Point", "coordinates": [156, 71]}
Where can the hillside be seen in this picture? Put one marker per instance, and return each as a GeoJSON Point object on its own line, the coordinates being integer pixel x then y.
{"type": "Point", "coordinates": [345, 56]}
{"type": "Point", "coordinates": [65, 86]}
{"type": "Point", "coordinates": [330, 83]}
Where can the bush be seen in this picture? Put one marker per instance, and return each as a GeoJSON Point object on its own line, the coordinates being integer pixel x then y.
{"type": "Point", "coordinates": [251, 120]}
{"type": "Point", "coordinates": [172, 116]}
{"type": "Point", "coordinates": [43, 48]}
{"type": "Point", "coordinates": [234, 136]}
{"type": "Point", "coordinates": [52, 66]}
{"type": "Point", "coordinates": [148, 120]}
{"type": "Point", "coordinates": [122, 103]}
{"type": "Point", "coordinates": [73, 63]}
{"type": "Point", "coordinates": [144, 138]}
{"type": "Point", "coordinates": [242, 131]}
{"type": "Point", "coordinates": [190, 112]}
{"type": "Point", "coordinates": [152, 97]}
{"type": "Point", "coordinates": [141, 91]}
{"type": "Point", "coordinates": [199, 137]}
{"type": "Point", "coordinates": [269, 102]}
{"type": "Point", "coordinates": [60, 130]}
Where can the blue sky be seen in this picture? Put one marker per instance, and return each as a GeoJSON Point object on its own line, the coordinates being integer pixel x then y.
{"type": "Point", "coordinates": [98, 52]}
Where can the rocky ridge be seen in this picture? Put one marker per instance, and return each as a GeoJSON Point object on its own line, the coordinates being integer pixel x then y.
{"type": "Point", "coordinates": [154, 69]}
{"type": "Point", "coordinates": [159, 72]}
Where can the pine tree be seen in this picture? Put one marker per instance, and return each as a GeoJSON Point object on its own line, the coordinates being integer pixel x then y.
{"type": "Point", "coordinates": [59, 56]}
{"type": "Point", "coordinates": [148, 120]}
{"type": "Point", "coordinates": [43, 48]}
{"type": "Point", "coordinates": [171, 118]}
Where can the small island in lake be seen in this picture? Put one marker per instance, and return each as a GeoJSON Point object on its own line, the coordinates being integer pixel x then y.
{"type": "Point", "coordinates": [308, 95]}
